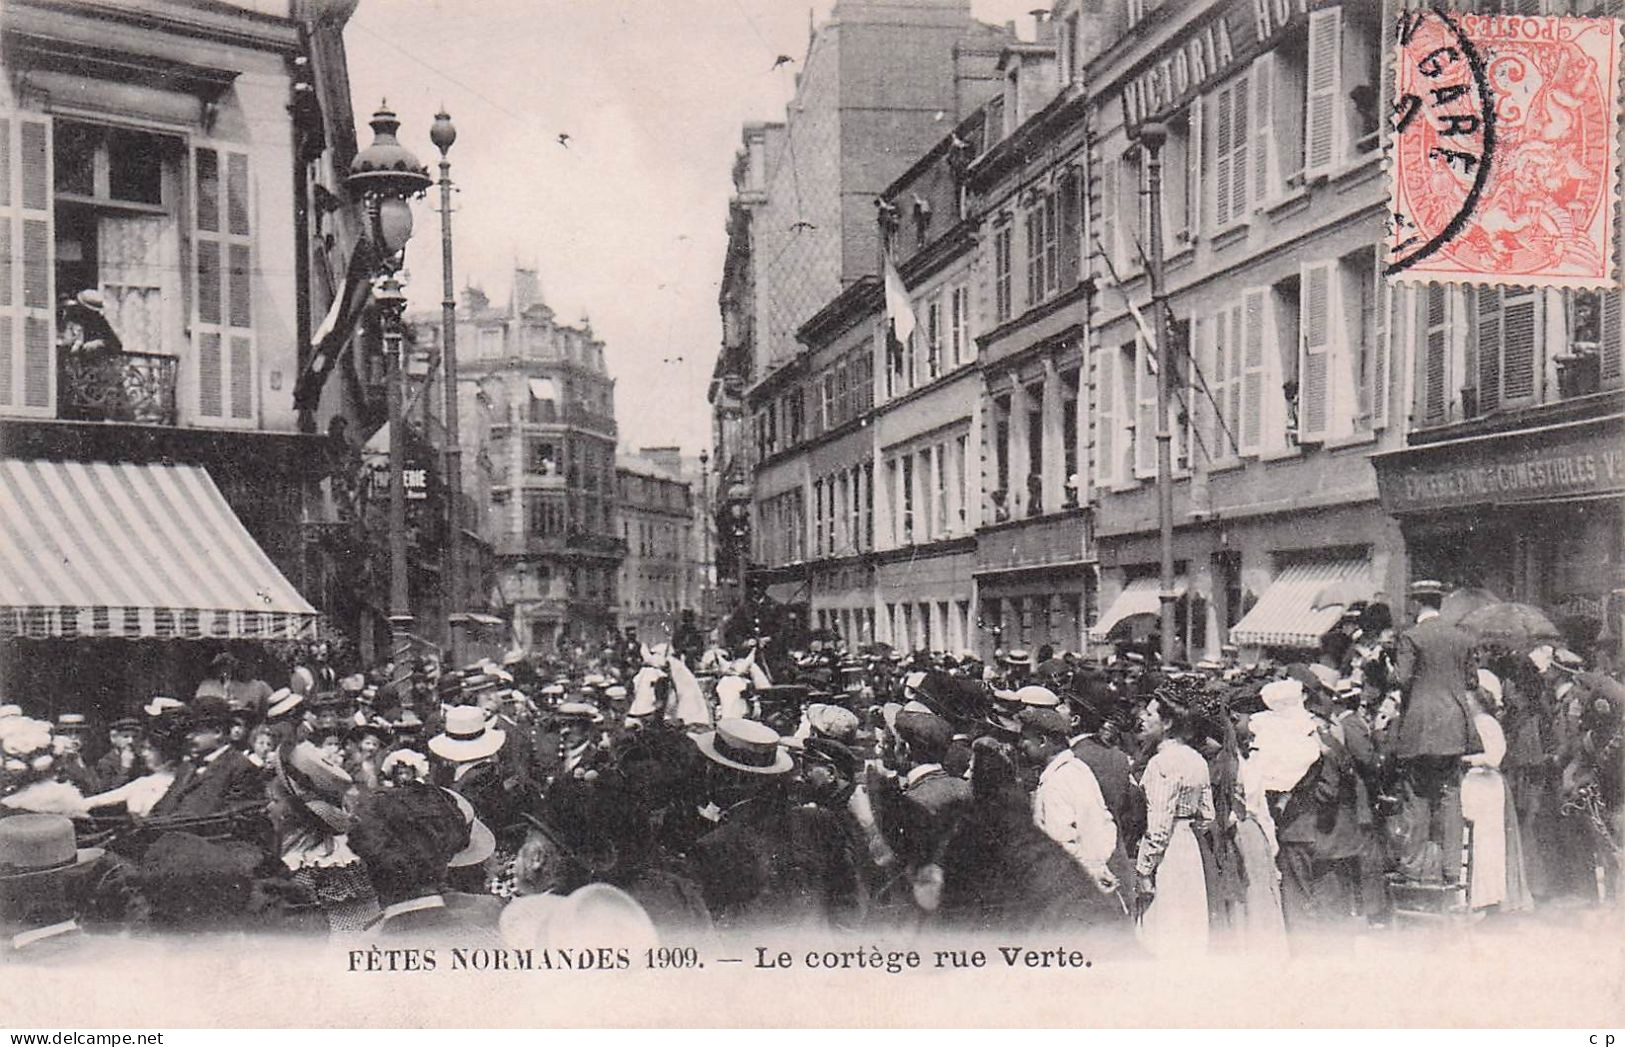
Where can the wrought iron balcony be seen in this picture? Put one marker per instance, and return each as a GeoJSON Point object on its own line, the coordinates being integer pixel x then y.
{"type": "Point", "coordinates": [117, 387]}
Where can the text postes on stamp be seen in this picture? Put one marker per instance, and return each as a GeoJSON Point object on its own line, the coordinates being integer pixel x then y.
{"type": "Point", "coordinates": [1504, 149]}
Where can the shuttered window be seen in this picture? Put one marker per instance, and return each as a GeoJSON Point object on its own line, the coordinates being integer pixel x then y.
{"type": "Point", "coordinates": [1106, 418]}
{"type": "Point", "coordinates": [1258, 340]}
{"type": "Point", "coordinates": [1108, 233]}
{"type": "Point", "coordinates": [1266, 174]}
{"type": "Point", "coordinates": [223, 327]}
{"type": "Point", "coordinates": [1317, 308]}
{"type": "Point", "coordinates": [1145, 418]}
{"type": "Point", "coordinates": [1069, 236]}
{"type": "Point", "coordinates": [27, 292]}
{"type": "Point", "coordinates": [1224, 382]}
{"type": "Point", "coordinates": [1230, 152]}
{"type": "Point", "coordinates": [1507, 330]}
{"type": "Point", "coordinates": [1437, 336]}
{"type": "Point", "coordinates": [1613, 336]}
{"type": "Point", "coordinates": [1323, 106]}
{"type": "Point", "coordinates": [1387, 322]}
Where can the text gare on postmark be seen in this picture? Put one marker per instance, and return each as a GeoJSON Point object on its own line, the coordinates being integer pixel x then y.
{"type": "Point", "coordinates": [1504, 150]}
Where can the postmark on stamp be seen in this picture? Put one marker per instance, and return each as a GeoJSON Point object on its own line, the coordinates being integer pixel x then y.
{"type": "Point", "coordinates": [1504, 149]}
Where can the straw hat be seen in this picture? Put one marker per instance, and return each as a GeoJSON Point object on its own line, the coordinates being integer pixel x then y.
{"type": "Point", "coordinates": [37, 845]}
{"type": "Point", "coordinates": [482, 842]}
{"type": "Point", "coordinates": [467, 736]}
{"type": "Point", "coordinates": [745, 745]}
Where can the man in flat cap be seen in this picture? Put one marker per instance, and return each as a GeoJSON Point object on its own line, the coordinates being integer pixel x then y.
{"type": "Point", "coordinates": [1435, 668]}
{"type": "Point", "coordinates": [923, 743]}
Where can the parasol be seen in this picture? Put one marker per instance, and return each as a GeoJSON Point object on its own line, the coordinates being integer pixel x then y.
{"type": "Point", "coordinates": [1345, 592]}
{"type": "Point", "coordinates": [1514, 625]}
{"type": "Point", "coordinates": [1465, 601]}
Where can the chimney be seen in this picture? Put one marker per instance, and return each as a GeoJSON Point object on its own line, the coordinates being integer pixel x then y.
{"type": "Point", "coordinates": [474, 302]}
{"type": "Point", "coordinates": [1043, 28]}
{"type": "Point", "coordinates": [527, 290]}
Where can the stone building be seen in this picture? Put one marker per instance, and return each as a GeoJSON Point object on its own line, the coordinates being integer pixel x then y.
{"type": "Point", "coordinates": [655, 505]}
{"type": "Point", "coordinates": [537, 413]}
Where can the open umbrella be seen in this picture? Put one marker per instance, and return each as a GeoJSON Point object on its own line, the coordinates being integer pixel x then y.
{"type": "Point", "coordinates": [1514, 625]}
{"type": "Point", "coordinates": [1345, 592]}
{"type": "Point", "coordinates": [1465, 601]}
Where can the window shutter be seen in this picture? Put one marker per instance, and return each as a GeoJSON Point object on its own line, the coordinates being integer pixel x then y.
{"type": "Point", "coordinates": [1193, 171]}
{"type": "Point", "coordinates": [223, 327]}
{"type": "Point", "coordinates": [27, 292]}
{"type": "Point", "coordinates": [1436, 355]}
{"type": "Point", "coordinates": [1266, 180]}
{"type": "Point", "coordinates": [1256, 303]}
{"type": "Point", "coordinates": [1239, 170]}
{"type": "Point", "coordinates": [1387, 319]}
{"type": "Point", "coordinates": [1108, 208]}
{"type": "Point", "coordinates": [1613, 336]}
{"type": "Point", "coordinates": [1520, 329]}
{"type": "Point", "coordinates": [1105, 417]}
{"type": "Point", "coordinates": [1323, 107]}
{"type": "Point", "coordinates": [1318, 286]}
{"type": "Point", "coordinates": [1145, 424]}
{"type": "Point", "coordinates": [1488, 344]}
{"type": "Point", "coordinates": [1224, 132]}
{"type": "Point", "coordinates": [1219, 442]}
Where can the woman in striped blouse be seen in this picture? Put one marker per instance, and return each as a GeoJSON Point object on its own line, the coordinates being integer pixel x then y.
{"type": "Point", "coordinates": [1178, 795]}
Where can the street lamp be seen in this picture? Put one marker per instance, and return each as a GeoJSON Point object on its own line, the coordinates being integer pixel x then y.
{"type": "Point", "coordinates": [443, 133]}
{"type": "Point", "coordinates": [383, 178]}
{"type": "Point", "coordinates": [706, 517]}
{"type": "Point", "coordinates": [1153, 136]}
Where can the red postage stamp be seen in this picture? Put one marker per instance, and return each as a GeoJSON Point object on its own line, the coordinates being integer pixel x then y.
{"type": "Point", "coordinates": [1505, 150]}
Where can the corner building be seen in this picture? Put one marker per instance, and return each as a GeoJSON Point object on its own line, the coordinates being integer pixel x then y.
{"type": "Point", "coordinates": [1273, 201]}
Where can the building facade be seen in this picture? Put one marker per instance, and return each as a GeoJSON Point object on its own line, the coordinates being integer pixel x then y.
{"type": "Point", "coordinates": [164, 256]}
{"type": "Point", "coordinates": [1272, 207]}
{"type": "Point", "coordinates": [657, 580]}
{"type": "Point", "coordinates": [1035, 559]}
{"type": "Point", "coordinates": [537, 412]}
{"type": "Point", "coordinates": [877, 82]}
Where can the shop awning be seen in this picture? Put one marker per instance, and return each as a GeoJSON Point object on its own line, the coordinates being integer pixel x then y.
{"type": "Point", "coordinates": [1285, 615]}
{"type": "Point", "coordinates": [126, 550]}
{"type": "Point", "coordinates": [1140, 596]}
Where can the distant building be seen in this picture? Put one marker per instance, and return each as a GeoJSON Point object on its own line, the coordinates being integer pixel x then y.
{"type": "Point", "coordinates": [655, 504]}
{"type": "Point", "coordinates": [880, 84]}
{"type": "Point", "coordinates": [537, 413]}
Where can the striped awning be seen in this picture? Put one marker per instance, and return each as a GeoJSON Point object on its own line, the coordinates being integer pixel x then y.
{"type": "Point", "coordinates": [126, 550]}
{"type": "Point", "coordinates": [1140, 596]}
{"type": "Point", "coordinates": [1285, 615]}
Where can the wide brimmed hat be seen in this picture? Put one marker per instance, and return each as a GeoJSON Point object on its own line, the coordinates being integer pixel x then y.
{"type": "Point", "coordinates": [579, 711]}
{"type": "Point", "coordinates": [38, 845]}
{"type": "Point", "coordinates": [467, 736]}
{"type": "Point", "coordinates": [599, 911]}
{"type": "Point", "coordinates": [316, 783]}
{"type": "Point", "coordinates": [161, 704]}
{"type": "Point", "coordinates": [745, 745]}
{"type": "Point", "coordinates": [282, 702]}
{"type": "Point", "coordinates": [1427, 587]}
{"type": "Point", "coordinates": [1037, 696]}
{"type": "Point", "coordinates": [482, 842]}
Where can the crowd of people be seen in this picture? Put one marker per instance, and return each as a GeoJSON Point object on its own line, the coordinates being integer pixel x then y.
{"type": "Point", "coordinates": [673, 794]}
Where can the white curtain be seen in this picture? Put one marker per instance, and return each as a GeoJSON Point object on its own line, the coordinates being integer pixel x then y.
{"type": "Point", "coordinates": [138, 267]}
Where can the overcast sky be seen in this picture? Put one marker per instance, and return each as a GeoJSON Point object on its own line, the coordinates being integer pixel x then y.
{"type": "Point", "coordinates": [625, 223]}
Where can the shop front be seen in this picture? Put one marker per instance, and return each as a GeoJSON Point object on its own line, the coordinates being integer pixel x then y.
{"type": "Point", "coordinates": [1534, 515]}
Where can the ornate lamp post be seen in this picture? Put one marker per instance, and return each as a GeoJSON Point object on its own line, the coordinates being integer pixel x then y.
{"type": "Point", "coordinates": [443, 133]}
{"type": "Point", "coordinates": [383, 178]}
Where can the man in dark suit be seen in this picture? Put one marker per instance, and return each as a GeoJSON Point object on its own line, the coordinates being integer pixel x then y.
{"type": "Point", "coordinates": [769, 861]}
{"type": "Point", "coordinates": [215, 777]}
{"type": "Point", "coordinates": [926, 739]}
{"type": "Point", "coordinates": [1113, 773]}
{"type": "Point", "coordinates": [1434, 666]}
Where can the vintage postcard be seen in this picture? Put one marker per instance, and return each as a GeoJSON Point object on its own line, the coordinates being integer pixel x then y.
{"type": "Point", "coordinates": [910, 513]}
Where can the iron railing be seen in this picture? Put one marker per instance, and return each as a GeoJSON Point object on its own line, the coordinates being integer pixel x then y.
{"type": "Point", "coordinates": [117, 387]}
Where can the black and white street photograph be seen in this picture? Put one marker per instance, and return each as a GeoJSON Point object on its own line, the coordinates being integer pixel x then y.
{"type": "Point", "coordinates": [822, 514]}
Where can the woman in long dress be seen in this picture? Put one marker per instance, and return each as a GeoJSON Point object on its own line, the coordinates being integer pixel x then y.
{"type": "Point", "coordinates": [1496, 866]}
{"type": "Point", "coordinates": [1170, 879]}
